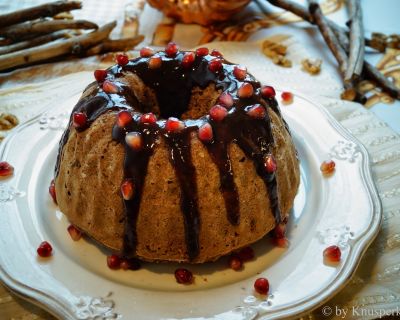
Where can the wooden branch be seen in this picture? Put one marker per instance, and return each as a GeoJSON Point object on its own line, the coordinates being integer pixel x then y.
{"type": "Point", "coordinates": [329, 36]}
{"type": "Point", "coordinates": [375, 75]}
{"type": "Point", "coordinates": [43, 27]}
{"type": "Point", "coordinates": [34, 42]}
{"type": "Point", "coordinates": [41, 11]}
{"type": "Point", "coordinates": [115, 45]}
{"type": "Point", "coordinates": [75, 45]}
{"type": "Point", "coordinates": [356, 52]}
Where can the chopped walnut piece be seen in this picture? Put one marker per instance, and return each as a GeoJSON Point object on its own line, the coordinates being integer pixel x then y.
{"type": "Point", "coordinates": [311, 66]}
{"type": "Point", "coordinates": [282, 61]}
{"type": "Point", "coordinates": [8, 121]}
{"type": "Point", "coordinates": [276, 52]}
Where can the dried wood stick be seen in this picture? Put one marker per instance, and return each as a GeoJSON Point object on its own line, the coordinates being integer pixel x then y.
{"type": "Point", "coordinates": [75, 45]}
{"type": "Point", "coordinates": [34, 42]}
{"type": "Point", "coordinates": [375, 75]}
{"type": "Point", "coordinates": [43, 27]}
{"type": "Point", "coordinates": [329, 36]}
{"type": "Point", "coordinates": [356, 51]}
{"type": "Point", "coordinates": [115, 45]}
{"type": "Point", "coordinates": [41, 11]}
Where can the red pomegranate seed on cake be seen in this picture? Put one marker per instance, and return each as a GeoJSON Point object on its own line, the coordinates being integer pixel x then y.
{"type": "Point", "coordinates": [183, 276]}
{"type": "Point", "coordinates": [215, 65]}
{"type": "Point", "coordinates": [75, 233]}
{"type": "Point", "coordinates": [216, 53]}
{"type": "Point", "coordinates": [206, 132]}
{"type": "Point", "coordinates": [174, 125]}
{"type": "Point", "coordinates": [122, 59]}
{"type": "Point", "coordinates": [155, 62]}
{"type": "Point", "coordinates": [332, 254]}
{"type": "Point", "coordinates": [287, 97]}
{"type": "Point", "coordinates": [218, 113]}
{"type": "Point", "coordinates": [201, 52]}
{"type": "Point", "coordinates": [113, 262]}
{"type": "Point", "coordinates": [130, 264]}
{"type": "Point", "coordinates": [52, 191]}
{"type": "Point", "coordinates": [226, 99]}
{"type": "Point", "coordinates": [261, 285]}
{"type": "Point", "coordinates": [171, 49]}
{"type": "Point", "coordinates": [270, 164]}
{"type": "Point", "coordinates": [257, 111]}
{"type": "Point", "coordinates": [124, 118]}
{"type": "Point", "coordinates": [44, 250]}
{"type": "Point", "coordinates": [246, 254]}
{"type": "Point", "coordinates": [100, 75]}
{"type": "Point", "coordinates": [6, 169]}
{"type": "Point", "coordinates": [268, 92]}
{"type": "Point", "coordinates": [134, 140]}
{"type": "Point", "coordinates": [235, 263]}
{"type": "Point", "coordinates": [245, 90]}
{"type": "Point", "coordinates": [146, 52]}
{"type": "Point", "coordinates": [188, 59]}
{"type": "Point", "coordinates": [79, 119]}
{"type": "Point", "coordinates": [280, 231]}
{"type": "Point", "coordinates": [240, 72]}
{"type": "Point", "coordinates": [110, 87]}
{"type": "Point", "coordinates": [127, 189]}
{"type": "Point", "coordinates": [148, 118]}
{"type": "Point", "coordinates": [281, 242]}
{"type": "Point", "coordinates": [327, 167]}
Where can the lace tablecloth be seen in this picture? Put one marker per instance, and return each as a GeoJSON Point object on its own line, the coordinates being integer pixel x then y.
{"type": "Point", "coordinates": [376, 284]}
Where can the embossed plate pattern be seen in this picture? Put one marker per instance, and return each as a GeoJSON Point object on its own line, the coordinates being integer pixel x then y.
{"type": "Point", "coordinates": [76, 283]}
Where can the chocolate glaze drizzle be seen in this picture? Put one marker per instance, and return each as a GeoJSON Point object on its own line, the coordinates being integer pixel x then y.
{"type": "Point", "coordinates": [173, 84]}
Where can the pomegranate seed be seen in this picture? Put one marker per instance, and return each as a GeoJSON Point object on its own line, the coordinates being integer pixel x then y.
{"type": "Point", "coordinates": [124, 118]}
{"type": "Point", "coordinates": [44, 250]}
{"type": "Point", "coordinates": [287, 97]}
{"type": "Point", "coordinates": [188, 59]}
{"type": "Point", "coordinates": [79, 119]}
{"type": "Point", "coordinates": [134, 140]}
{"type": "Point", "coordinates": [148, 118]}
{"type": "Point", "coordinates": [261, 285]}
{"type": "Point", "coordinates": [201, 52]}
{"type": "Point", "coordinates": [52, 191]}
{"type": "Point", "coordinates": [226, 99]}
{"type": "Point", "coordinates": [218, 113]}
{"type": "Point", "coordinates": [257, 111]}
{"type": "Point", "coordinates": [155, 62]}
{"type": "Point", "coordinates": [131, 264]}
{"type": "Point", "coordinates": [75, 233]}
{"type": "Point", "coordinates": [110, 87]}
{"type": "Point", "coordinates": [246, 254]}
{"type": "Point", "coordinates": [268, 92]}
{"type": "Point", "coordinates": [146, 52]}
{"type": "Point", "coordinates": [240, 72]}
{"type": "Point", "coordinates": [332, 254]}
{"type": "Point", "coordinates": [174, 125]}
{"type": "Point", "coordinates": [127, 189]}
{"type": "Point", "coordinates": [280, 231]}
{"type": "Point", "coordinates": [246, 90]}
{"type": "Point", "coordinates": [235, 263]}
{"type": "Point", "coordinates": [215, 65]}
{"type": "Point", "coordinates": [100, 75]}
{"type": "Point", "coordinates": [183, 276]}
{"type": "Point", "coordinates": [206, 132]}
{"type": "Point", "coordinates": [6, 169]}
{"type": "Point", "coordinates": [113, 262]}
{"type": "Point", "coordinates": [122, 59]}
{"type": "Point", "coordinates": [216, 53]}
{"type": "Point", "coordinates": [171, 49]}
{"type": "Point", "coordinates": [270, 164]}
{"type": "Point", "coordinates": [281, 242]}
{"type": "Point", "coordinates": [327, 167]}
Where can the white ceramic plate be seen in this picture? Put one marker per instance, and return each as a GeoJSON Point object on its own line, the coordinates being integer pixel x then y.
{"type": "Point", "coordinates": [76, 282]}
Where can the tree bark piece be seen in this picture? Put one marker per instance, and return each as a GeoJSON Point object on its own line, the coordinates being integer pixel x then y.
{"type": "Point", "coordinates": [41, 11]}
{"type": "Point", "coordinates": [43, 27]}
{"type": "Point", "coordinates": [376, 76]}
{"type": "Point", "coordinates": [75, 45]}
{"type": "Point", "coordinates": [115, 45]}
{"type": "Point", "coordinates": [356, 51]}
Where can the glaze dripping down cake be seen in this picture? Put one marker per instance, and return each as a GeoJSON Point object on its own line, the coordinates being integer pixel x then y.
{"type": "Point", "coordinates": [176, 156]}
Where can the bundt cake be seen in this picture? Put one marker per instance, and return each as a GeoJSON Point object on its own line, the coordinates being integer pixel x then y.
{"type": "Point", "coordinates": [176, 156]}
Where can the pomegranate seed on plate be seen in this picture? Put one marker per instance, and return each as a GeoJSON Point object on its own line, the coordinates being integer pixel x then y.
{"type": "Point", "coordinates": [44, 250]}
{"type": "Point", "coordinates": [261, 285]}
{"type": "Point", "coordinates": [6, 169]}
{"type": "Point", "coordinates": [183, 276]}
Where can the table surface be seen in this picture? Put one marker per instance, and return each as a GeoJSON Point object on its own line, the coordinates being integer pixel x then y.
{"type": "Point", "coordinates": [378, 16]}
